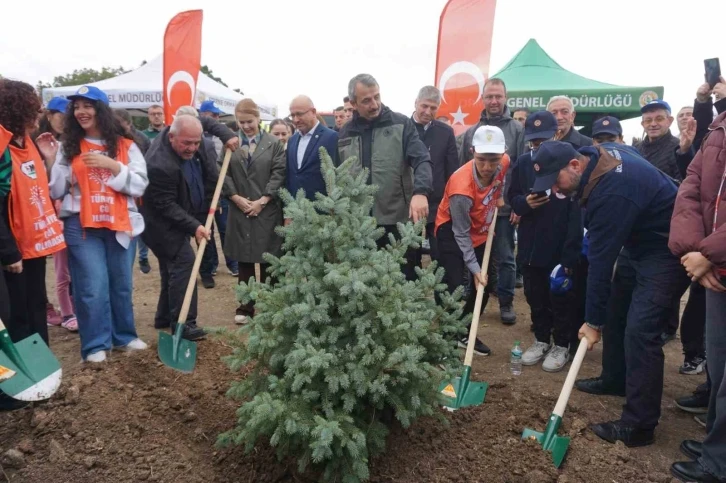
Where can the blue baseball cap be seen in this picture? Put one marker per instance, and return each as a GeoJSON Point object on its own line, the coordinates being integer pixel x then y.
{"type": "Point", "coordinates": [540, 125]}
{"type": "Point", "coordinates": [210, 106]}
{"type": "Point", "coordinates": [91, 93]}
{"type": "Point", "coordinates": [58, 104]}
{"type": "Point", "coordinates": [548, 160]}
{"type": "Point", "coordinates": [560, 282]}
{"type": "Point", "coordinates": [655, 104]}
{"type": "Point", "coordinates": [607, 125]}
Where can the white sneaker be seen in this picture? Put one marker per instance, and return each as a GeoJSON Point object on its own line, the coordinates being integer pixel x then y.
{"type": "Point", "coordinates": [557, 359]}
{"type": "Point", "coordinates": [535, 353]}
{"type": "Point", "coordinates": [99, 356]}
{"type": "Point", "coordinates": [240, 319]}
{"type": "Point", "coordinates": [134, 345]}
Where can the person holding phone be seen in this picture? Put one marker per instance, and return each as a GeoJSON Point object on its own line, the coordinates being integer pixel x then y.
{"type": "Point", "coordinates": [698, 237]}
{"type": "Point", "coordinates": [549, 234]}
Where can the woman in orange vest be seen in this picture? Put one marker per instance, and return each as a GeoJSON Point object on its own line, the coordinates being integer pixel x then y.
{"type": "Point", "coordinates": [29, 227]}
{"type": "Point", "coordinates": [465, 216]}
{"type": "Point", "coordinates": [97, 173]}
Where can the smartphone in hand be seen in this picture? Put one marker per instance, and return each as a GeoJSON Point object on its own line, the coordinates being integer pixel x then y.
{"type": "Point", "coordinates": [538, 194]}
{"type": "Point", "coordinates": [713, 71]}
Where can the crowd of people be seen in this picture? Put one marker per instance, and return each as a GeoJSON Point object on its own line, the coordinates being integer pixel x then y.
{"type": "Point", "coordinates": [605, 237]}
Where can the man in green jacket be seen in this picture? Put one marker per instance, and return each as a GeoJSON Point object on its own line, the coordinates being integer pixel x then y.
{"type": "Point", "coordinates": [387, 144]}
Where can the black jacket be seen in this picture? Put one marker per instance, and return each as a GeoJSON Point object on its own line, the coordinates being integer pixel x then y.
{"type": "Point", "coordinates": [439, 139]}
{"type": "Point", "coordinates": [576, 139]}
{"type": "Point", "coordinates": [664, 153]}
{"type": "Point", "coordinates": [548, 235]}
{"type": "Point", "coordinates": [166, 204]}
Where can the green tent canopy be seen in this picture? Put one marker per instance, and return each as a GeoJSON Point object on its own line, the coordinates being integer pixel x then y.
{"type": "Point", "coordinates": [533, 77]}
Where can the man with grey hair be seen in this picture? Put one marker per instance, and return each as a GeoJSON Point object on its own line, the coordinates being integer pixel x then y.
{"type": "Point", "coordinates": [439, 139]}
{"type": "Point", "coordinates": [386, 143]}
{"type": "Point", "coordinates": [182, 178]}
{"type": "Point", "coordinates": [564, 111]}
{"type": "Point", "coordinates": [214, 134]}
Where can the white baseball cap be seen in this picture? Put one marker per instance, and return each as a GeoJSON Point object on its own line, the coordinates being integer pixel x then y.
{"type": "Point", "coordinates": [488, 140]}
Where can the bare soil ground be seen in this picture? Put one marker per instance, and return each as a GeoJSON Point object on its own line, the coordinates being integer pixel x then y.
{"type": "Point", "coordinates": [134, 420]}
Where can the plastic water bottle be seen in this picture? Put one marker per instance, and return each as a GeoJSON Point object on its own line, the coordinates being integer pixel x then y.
{"type": "Point", "coordinates": [515, 362]}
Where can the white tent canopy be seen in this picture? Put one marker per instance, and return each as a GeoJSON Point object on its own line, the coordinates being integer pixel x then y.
{"type": "Point", "coordinates": [142, 88]}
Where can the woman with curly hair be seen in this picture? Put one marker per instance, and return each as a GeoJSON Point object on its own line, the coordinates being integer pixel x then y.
{"type": "Point", "coordinates": [97, 173]}
{"type": "Point", "coordinates": [29, 227]}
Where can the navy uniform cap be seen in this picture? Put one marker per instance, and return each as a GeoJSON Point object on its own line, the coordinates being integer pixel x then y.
{"type": "Point", "coordinates": [607, 125]}
{"type": "Point", "coordinates": [548, 160]}
{"type": "Point", "coordinates": [540, 125]}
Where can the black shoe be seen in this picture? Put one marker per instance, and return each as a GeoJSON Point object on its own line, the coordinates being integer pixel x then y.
{"type": "Point", "coordinates": [598, 387]}
{"type": "Point", "coordinates": [507, 314]}
{"type": "Point", "coordinates": [693, 366]}
{"type": "Point", "coordinates": [190, 331]}
{"type": "Point", "coordinates": [692, 471]}
{"type": "Point", "coordinates": [631, 436]}
{"type": "Point", "coordinates": [692, 448]}
{"type": "Point", "coordinates": [207, 281]}
{"type": "Point", "coordinates": [480, 348]}
{"type": "Point", "coordinates": [701, 419]}
{"type": "Point", "coordinates": [519, 283]}
{"type": "Point", "coordinates": [144, 266]}
{"type": "Point", "coordinates": [696, 403]}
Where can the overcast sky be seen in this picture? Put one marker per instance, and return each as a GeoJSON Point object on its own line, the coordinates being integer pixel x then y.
{"type": "Point", "coordinates": [281, 48]}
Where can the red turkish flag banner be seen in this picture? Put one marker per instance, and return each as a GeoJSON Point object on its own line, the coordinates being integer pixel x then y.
{"type": "Point", "coordinates": [462, 59]}
{"type": "Point", "coordinates": [182, 58]}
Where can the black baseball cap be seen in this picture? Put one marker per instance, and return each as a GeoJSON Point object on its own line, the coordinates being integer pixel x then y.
{"type": "Point", "coordinates": [548, 160]}
{"type": "Point", "coordinates": [607, 125]}
{"type": "Point", "coordinates": [540, 125]}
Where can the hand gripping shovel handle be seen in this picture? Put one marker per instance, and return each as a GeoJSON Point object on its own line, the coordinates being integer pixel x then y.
{"type": "Point", "coordinates": [570, 380]}
{"type": "Point", "coordinates": [480, 294]}
{"type": "Point", "coordinates": [203, 244]}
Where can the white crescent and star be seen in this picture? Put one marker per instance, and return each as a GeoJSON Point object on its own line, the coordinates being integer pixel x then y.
{"type": "Point", "coordinates": [462, 67]}
{"type": "Point", "coordinates": [180, 76]}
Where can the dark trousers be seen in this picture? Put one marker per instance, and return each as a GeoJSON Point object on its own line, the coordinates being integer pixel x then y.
{"type": "Point", "coordinates": [413, 255]}
{"type": "Point", "coordinates": [210, 259]}
{"type": "Point", "coordinates": [640, 307]}
{"type": "Point", "coordinates": [433, 242]}
{"type": "Point", "coordinates": [246, 272]}
{"type": "Point", "coordinates": [693, 322]}
{"type": "Point", "coordinates": [552, 314]}
{"type": "Point", "coordinates": [580, 280]}
{"type": "Point", "coordinates": [175, 273]}
{"type": "Point", "coordinates": [452, 260]}
{"type": "Point", "coordinates": [714, 446]}
{"type": "Point", "coordinates": [27, 295]}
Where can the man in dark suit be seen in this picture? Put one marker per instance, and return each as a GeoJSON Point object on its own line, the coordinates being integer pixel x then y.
{"type": "Point", "coordinates": [182, 178]}
{"type": "Point", "coordinates": [303, 155]}
{"type": "Point", "coordinates": [440, 141]}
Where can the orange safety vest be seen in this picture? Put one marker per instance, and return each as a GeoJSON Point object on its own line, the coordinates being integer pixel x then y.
{"type": "Point", "coordinates": [485, 199]}
{"type": "Point", "coordinates": [101, 207]}
{"type": "Point", "coordinates": [37, 230]}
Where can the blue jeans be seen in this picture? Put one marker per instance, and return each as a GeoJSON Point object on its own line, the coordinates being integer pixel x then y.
{"type": "Point", "coordinates": [503, 255]}
{"type": "Point", "coordinates": [143, 250]}
{"type": "Point", "coordinates": [101, 270]}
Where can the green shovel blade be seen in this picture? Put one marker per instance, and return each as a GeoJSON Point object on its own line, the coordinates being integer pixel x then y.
{"type": "Point", "coordinates": [176, 352]}
{"type": "Point", "coordinates": [461, 392]}
{"type": "Point", "coordinates": [37, 371]}
{"type": "Point", "coordinates": [549, 440]}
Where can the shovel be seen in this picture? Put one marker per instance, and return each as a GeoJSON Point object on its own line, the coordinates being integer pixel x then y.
{"type": "Point", "coordinates": [549, 440]}
{"type": "Point", "coordinates": [175, 351]}
{"type": "Point", "coordinates": [37, 371]}
{"type": "Point", "coordinates": [461, 392]}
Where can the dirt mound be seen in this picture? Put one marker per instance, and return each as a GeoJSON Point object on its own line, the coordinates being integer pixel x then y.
{"type": "Point", "coordinates": [134, 420]}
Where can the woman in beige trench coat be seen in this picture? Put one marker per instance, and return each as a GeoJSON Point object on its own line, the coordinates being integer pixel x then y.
{"type": "Point", "coordinates": [256, 171]}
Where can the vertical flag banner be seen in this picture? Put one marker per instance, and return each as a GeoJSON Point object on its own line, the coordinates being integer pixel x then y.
{"type": "Point", "coordinates": [182, 58]}
{"type": "Point", "coordinates": [462, 59]}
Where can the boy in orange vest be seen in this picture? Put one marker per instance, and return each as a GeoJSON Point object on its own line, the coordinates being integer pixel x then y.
{"type": "Point", "coordinates": [466, 213]}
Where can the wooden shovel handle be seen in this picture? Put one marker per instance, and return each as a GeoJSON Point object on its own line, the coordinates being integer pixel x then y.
{"type": "Point", "coordinates": [480, 292]}
{"type": "Point", "coordinates": [570, 380]}
{"type": "Point", "coordinates": [203, 244]}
